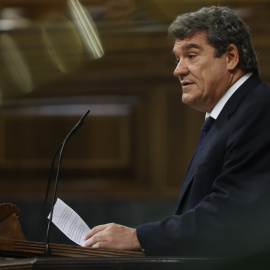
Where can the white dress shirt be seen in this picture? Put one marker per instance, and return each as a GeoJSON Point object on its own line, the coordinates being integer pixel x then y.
{"type": "Point", "coordinates": [221, 103]}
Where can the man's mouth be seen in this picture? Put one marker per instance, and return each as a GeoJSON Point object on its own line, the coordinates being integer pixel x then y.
{"type": "Point", "coordinates": [186, 83]}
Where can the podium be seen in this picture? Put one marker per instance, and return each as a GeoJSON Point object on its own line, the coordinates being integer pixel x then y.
{"type": "Point", "coordinates": [121, 263]}
{"type": "Point", "coordinates": [18, 253]}
{"type": "Point", "coordinates": [14, 244]}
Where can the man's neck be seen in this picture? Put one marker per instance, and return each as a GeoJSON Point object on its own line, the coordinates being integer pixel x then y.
{"type": "Point", "coordinates": [221, 103]}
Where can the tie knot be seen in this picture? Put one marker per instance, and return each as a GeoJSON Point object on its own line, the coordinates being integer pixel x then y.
{"type": "Point", "coordinates": [208, 123]}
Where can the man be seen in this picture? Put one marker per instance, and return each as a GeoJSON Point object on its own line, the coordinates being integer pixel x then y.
{"type": "Point", "coordinates": [224, 204]}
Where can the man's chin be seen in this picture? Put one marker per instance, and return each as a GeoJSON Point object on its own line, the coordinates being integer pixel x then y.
{"type": "Point", "coordinates": [187, 100]}
{"type": "Point", "coordinates": [194, 105]}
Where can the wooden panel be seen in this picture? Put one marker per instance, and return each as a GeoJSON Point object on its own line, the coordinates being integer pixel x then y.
{"type": "Point", "coordinates": [103, 141]}
{"type": "Point", "coordinates": [143, 152]}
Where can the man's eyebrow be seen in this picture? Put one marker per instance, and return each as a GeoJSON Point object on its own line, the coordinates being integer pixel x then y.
{"type": "Point", "coordinates": [191, 46]}
{"type": "Point", "coordinates": [188, 47]}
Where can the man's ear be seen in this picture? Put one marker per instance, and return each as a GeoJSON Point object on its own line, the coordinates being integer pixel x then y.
{"type": "Point", "coordinates": [232, 57]}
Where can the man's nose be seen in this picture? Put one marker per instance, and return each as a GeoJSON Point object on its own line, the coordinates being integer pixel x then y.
{"type": "Point", "coordinates": [181, 69]}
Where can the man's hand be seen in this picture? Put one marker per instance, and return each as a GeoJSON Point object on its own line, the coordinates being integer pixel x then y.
{"type": "Point", "coordinates": [112, 236]}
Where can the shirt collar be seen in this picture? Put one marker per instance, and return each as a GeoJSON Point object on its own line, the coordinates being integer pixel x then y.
{"type": "Point", "coordinates": [221, 103]}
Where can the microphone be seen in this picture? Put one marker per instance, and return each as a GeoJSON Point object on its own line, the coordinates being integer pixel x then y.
{"type": "Point", "coordinates": [60, 148]}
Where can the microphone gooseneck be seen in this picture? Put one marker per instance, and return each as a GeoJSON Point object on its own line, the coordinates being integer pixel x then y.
{"type": "Point", "coordinates": [60, 148]}
{"type": "Point", "coordinates": [47, 192]}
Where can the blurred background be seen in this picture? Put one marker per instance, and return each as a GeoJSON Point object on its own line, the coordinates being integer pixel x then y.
{"type": "Point", "coordinates": [59, 58]}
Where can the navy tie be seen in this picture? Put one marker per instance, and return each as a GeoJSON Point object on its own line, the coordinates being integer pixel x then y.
{"type": "Point", "coordinates": [209, 121]}
{"type": "Point", "coordinates": [205, 129]}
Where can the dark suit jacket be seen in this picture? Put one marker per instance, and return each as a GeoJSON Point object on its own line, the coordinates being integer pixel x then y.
{"type": "Point", "coordinates": [224, 203]}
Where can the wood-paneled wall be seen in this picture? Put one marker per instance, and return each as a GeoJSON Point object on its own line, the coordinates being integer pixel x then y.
{"type": "Point", "coordinates": [138, 138]}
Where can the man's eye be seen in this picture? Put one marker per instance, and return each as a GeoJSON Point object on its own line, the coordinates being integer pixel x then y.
{"type": "Point", "coordinates": [176, 61]}
{"type": "Point", "coordinates": [191, 56]}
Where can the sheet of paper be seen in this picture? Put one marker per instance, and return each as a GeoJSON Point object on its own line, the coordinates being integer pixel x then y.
{"type": "Point", "coordinates": [69, 222]}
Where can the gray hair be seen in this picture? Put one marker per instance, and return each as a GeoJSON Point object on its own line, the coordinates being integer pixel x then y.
{"type": "Point", "coordinates": [223, 27]}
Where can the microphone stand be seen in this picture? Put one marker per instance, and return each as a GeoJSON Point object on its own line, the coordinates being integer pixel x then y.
{"type": "Point", "coordinates": [61, 148]}
{"type": "Point", "coordinates": [47, 192]}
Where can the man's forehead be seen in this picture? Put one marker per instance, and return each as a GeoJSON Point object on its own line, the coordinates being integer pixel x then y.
{"type": "Point", "coordinates": [196, 40]}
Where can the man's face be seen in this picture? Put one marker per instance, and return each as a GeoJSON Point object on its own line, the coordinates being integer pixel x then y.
{"type": "Point", "coordinates": [204, 77]}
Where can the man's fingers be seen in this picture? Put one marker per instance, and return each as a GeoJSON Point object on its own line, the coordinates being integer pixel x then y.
{"type": "Point", "coordinates": [112, 236]}
{"type": "Point", "coordinates": [95, 236]}
{"type": "Point", "coordinates": [93, 241]}
{"type": "Point", "coordinates": [94, 231]}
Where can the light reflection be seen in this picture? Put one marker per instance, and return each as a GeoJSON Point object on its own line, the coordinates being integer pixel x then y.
{"type": "Point", "coordinates": [86, 28]}
{"type": "Point", "coordinates": [63, 43]}
{"type": "Point", "coordinates": [16, 66]}
{"type": "Point", "coordinates": [39, 54]}
{"type": "Point", "coordinates": [11, 18]}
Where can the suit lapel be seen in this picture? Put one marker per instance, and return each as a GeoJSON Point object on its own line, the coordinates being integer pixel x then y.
{"type": "Point", "coordinates": [229, 108]}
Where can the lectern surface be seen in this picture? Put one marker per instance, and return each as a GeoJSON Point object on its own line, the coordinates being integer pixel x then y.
{"type": "Point", "coordinates": [146, 263]}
